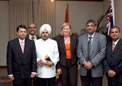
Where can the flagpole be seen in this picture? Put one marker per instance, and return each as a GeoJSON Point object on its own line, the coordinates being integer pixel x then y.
{"type": "Point", "coordinates": [110, 16]}
{"type": "Point", "coordinates": [113, 12]}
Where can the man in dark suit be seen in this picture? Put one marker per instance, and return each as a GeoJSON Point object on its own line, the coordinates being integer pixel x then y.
{"type": "Point", "coordinates": [21, 59]}
{"type": "Point", "coordinates": [32, 32]}
{"type": "Point", "coordinates": [32, 35]}
{"type": "Point", "coordinates": [113, 59]}
{"type": "Point", "coordinates": [91, 52]}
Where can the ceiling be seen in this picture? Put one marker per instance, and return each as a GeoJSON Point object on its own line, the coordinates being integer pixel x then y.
{"type": "Point", "coordinates": [80, 0]}
{"type": "Point", "coordinates": [69, 0]}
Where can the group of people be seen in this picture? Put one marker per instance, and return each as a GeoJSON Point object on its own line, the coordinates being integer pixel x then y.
{"type": "Point", "coordinates": [31, 58]}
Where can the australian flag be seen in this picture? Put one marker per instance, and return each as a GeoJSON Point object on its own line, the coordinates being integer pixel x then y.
{"type": "Point", "coordinates": [110, 17]}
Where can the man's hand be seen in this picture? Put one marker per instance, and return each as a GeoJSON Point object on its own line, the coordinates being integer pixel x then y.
{"type": "Point", "coordinates": [11, 77]}
{"type": "Point", "coordinates": [33, 75]}
{"type": "Point", "coordinates": [49, 63]}
{"type": "Point", "coordinates": [85, 64]}
{"type": "Point", "coordinates": [111, 73]}
{"type": "Point", "coordinates": [88, 65]}
{"type": "Point", "coordinates": [59, 71]}
{"type": "Point", "coordinates": [78, 66]}
{"type": "Point", "coordinates": [40, 62]}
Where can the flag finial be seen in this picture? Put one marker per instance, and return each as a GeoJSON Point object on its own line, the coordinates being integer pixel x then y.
{"type": "Point", "coordinates": [67, 14]}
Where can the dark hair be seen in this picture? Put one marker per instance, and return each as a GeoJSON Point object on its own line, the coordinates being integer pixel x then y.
{"type": "Point", "coordinates": [21, 26]}
{"type": "Point", "coordinates": [115, 27]}
{"type": "Point", "coordinates": [91, 21]}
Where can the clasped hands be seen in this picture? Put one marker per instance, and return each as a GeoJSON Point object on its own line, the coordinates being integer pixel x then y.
{"type": "Point", "coordinates": [111, 73]}
{"type": "Point", "coordinates": [48, 63]}
{"type": "Point", "coordinates": [88, 65]}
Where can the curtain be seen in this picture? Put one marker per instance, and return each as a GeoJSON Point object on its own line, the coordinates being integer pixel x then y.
{"type": "Point", "coordinates": [31, 11]}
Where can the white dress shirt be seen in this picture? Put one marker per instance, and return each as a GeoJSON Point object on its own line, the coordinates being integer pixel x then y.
{"type": "Point", "coordinates": [116, 42]}
{"type": "Point", "coordinates": [43, 48]}
{"type": "Point", "coordinates": [30, 37]}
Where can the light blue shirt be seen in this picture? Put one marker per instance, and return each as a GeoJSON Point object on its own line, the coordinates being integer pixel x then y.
{"type": "Point", "coordinates": [91, 36]}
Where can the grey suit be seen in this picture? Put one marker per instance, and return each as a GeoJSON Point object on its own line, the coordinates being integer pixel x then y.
{"type": "Point", "coordinates": [97, 53]}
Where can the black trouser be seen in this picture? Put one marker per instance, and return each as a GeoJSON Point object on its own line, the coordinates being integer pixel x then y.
{"type": "Point", "coordinates": [69, 74]}
{"type": "Point", "coordinates": [47, 81]}
{"type": "Point", "coordinates": [115, 81]}
{"type": "Point", "coordinates": [88, 80]}
{"type": "Point", "coordinates": [35, 81]}
{"type": "Point", "coordinates": [22, 82]}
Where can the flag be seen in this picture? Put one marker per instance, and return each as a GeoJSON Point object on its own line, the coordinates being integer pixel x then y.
{"type": "Point", "coordinates": [67, 15]}
{"type": "Point", "coordinates": [110, 17]}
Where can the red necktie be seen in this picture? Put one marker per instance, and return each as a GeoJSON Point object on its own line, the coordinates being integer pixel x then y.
{"type": "Point", "coordinates": [22, 46]}
{"type": "Point", "coordinates": [113, 46]}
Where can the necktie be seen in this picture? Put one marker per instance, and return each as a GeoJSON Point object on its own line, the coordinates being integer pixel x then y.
{"type": "Point", "coordinates": [89, 47]}
{"type": "Point", "coordinates": [113, 46]}
{"type": "Point", "coordinates": [22, 46]}
{"type": "Point", "coordinates": [32, 37]}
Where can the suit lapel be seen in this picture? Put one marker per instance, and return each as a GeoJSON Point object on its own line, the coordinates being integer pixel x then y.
{"type": "Point", "coordinates": [117, 46]}
{"type": "Point", "coordinates": [62, 42]}
{"type": "Point", "coordinates": [26, 46]}
{"type": "Point", "coordinates": [18, 47]}
{"type": "Point", "coordinates": [110, 48]}
{"type": "Point", "coordinates": [85, 43]}
{"type": "Point", "coordinates": [71, 43]}
{"type": "Point", "coordinates": [94, 43]}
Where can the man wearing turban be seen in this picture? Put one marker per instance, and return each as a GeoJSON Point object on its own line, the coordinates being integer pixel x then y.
{"type": "Point", "coordinates": [47, 57]}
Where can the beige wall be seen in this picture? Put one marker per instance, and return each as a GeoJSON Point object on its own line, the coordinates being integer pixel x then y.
{"type": "Point", "coordinates": [4, 31]}
{"type": "Point", "coordinates": [118, 13]}
{"type": "Point", "coordinates": [79, 13]}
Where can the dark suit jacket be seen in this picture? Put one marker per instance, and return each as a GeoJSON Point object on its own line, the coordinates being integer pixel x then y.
{"type": "Point", "coordinates": [21, 64]}
{"type": "Point", "coordinates": [113, 60]}
{"type": "Point", "coordinates": [62, 50]}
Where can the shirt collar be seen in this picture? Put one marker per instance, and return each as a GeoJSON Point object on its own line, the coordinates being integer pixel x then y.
{"type": "Point", "coordinates": [44, 40]}
{"type": "Point", "coordinates": [30, 36]}
{"type": "Point", "coordinates": [21, 40]}
{"type": "Point", "coordinates": [116, 41]}
{"type": "Point", "coordinates": [91, 35]}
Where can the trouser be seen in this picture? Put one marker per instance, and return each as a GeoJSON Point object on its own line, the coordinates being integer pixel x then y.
{"type": "Point", "coordinates": [115, 81]}
{"type": "Point", "coordinates": [69, 74]}
{"type": "Point", "coordinates": [22, 82]}
{"type": "Point", "coordinates": [88, 80]}
{"type": "Point", "coordinates": [35, 81]}
{"type": "Point", "coordinates": [47, 81]}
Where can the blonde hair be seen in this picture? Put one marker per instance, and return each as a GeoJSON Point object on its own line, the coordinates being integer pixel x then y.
{"type": "Point", "coordinates": [66, 24]}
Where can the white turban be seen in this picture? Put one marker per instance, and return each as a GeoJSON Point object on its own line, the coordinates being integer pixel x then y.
{"type": "Point", "coordinates": [45, 27]}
